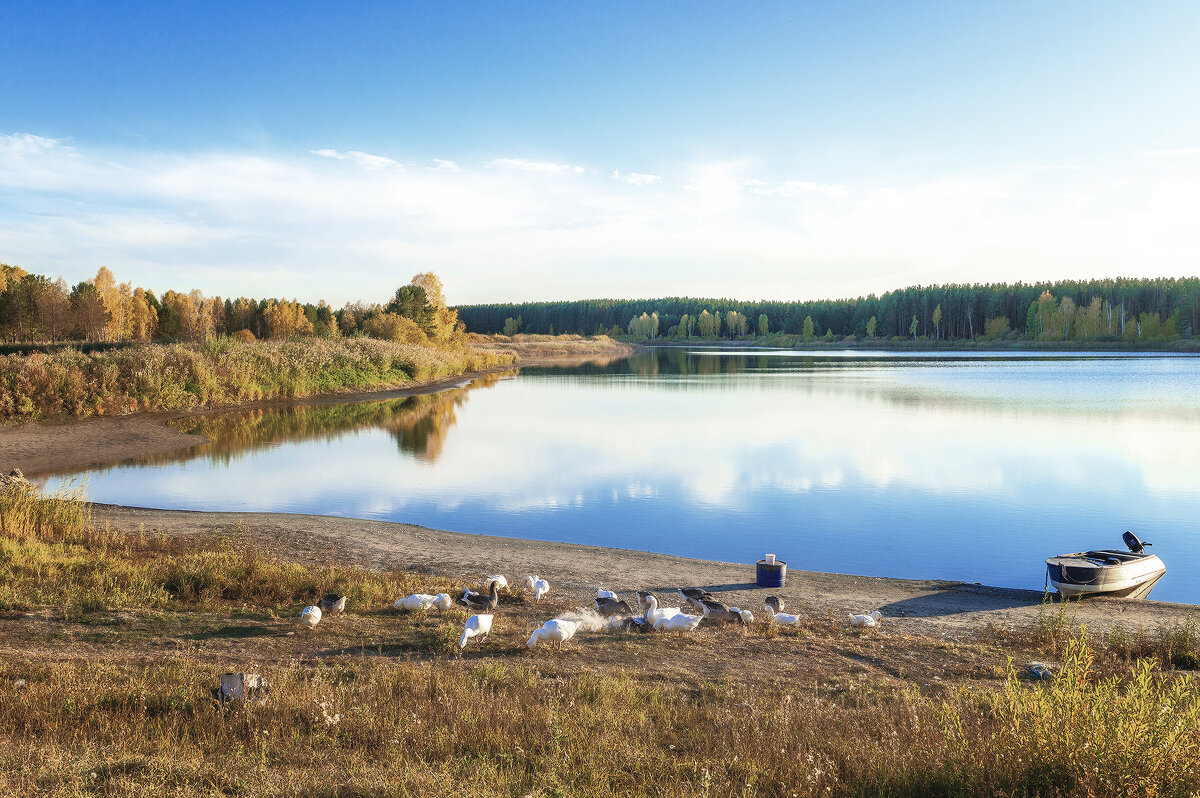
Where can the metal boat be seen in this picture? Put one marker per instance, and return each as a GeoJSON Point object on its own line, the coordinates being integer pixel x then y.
{"type": "Point", "coordinates": [1107, 572]}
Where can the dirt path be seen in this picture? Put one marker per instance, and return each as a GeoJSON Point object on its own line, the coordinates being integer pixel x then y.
{"type": "Point", "coordinates": [952, 610]}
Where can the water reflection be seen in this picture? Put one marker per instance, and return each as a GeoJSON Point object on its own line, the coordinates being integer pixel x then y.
{"type": "Point", "coordinates": [418, 424]}
{"type": "Point", "coordinates": [959, 467]}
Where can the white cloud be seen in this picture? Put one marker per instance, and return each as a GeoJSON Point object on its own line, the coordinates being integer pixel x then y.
{"type": "Point", "coordinates": [361, 158]}
{"type": "Point", "coordinates": [636, 178]}
{"type": "Point", "coordinates": [532, 166]}
{"type": "Point", "coordinates": [793, 188]}
{"type": "Point", "coordinates": [18, 144]}
{"type": "Point", "coordinates": [1178, 152]}
{"type": "Point", "coordinates": [350, 225]}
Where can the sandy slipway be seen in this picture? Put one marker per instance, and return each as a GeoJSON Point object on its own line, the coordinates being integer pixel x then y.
{"type": "Point", "coordinates": [952, 610]}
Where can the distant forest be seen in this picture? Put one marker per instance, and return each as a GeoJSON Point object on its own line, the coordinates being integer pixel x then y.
{"type": "Point", "coordinates": [1152, 309]}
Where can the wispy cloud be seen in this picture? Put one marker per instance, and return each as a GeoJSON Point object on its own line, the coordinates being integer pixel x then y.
{"type": "Point", "coordinates": [350, 225]}
{"type": "Point", "coordinates": [532, 166]}
{"type": "Point", "coordinates": [361, 158]}
{"type": "Point", "coordinates": [636, 178]}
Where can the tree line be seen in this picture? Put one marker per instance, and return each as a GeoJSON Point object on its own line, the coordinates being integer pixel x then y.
{"type": "Point", "coordinates": [1145, 309]}
{"type": "Point", "coordinates": [36, 309]}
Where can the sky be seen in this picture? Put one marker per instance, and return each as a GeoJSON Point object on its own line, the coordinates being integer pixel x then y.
{"type": "Point", "coordinates": [540, 151]}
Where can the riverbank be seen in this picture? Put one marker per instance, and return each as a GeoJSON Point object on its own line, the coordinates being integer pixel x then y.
{"type": "Point", "coordinates": [115, 623]}
{"type": "Point", "coordinates": [949, 610]}
{"type": "Point", "coordinates": [62, 443]}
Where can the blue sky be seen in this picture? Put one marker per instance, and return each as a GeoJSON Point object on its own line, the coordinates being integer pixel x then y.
{"type": "Point", "coordinates": [540, 151]}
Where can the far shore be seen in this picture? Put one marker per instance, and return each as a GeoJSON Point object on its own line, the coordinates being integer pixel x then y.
{"type": "Point", "coordinates": [951, 610]}
{"type": "Point", "coordinates": [1181, 346]}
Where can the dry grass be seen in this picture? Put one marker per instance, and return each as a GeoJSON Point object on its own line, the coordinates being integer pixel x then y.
{"type": "Point", "coordinates": [373, 704]}
{"type": "Point", "coordinates": [550, 349]}
{"type": "Point", "coordinates": [223, 371]}
{"type": "Point", "coordinates": [1175, 645]}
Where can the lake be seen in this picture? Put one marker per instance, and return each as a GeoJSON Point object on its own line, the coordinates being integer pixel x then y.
{"type": "Point", "coordinates": [963, 466]}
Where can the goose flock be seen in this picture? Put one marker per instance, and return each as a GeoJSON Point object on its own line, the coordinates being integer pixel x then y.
{"type": "Point", "coordinates": [611, 611]}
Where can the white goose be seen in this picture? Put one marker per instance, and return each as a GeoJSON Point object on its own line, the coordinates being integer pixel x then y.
{"type": "Point", "coordinates": [781, 618]}
{"type": "Point", "coordinates": [679, 623]}
{"type": "Point", "coordinates": [539, 587]}
{"type": "Point", "coordinates": [606, 594]}
{"type": "Point", "coordinates": [423, 601]}
{"type": "Point", "coordinates": [557, 630]}
{"type": "Point", "coordinates": [477, 626]}
{"type": "Point", "coordinates": [499, 579]}
{"type": "Point", "coordinates": [866, 621]}
{"type": "Point", "coordinates": [310, 617]}
{"type": "Point", "coordinates": [654, 614]}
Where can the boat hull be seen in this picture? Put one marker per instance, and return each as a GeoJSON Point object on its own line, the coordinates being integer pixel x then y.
{"type": "Point", "coordinates": [1088, 574]}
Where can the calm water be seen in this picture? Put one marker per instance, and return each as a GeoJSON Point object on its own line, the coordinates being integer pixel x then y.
{"type": "Point", "coordinates": [961, 467]}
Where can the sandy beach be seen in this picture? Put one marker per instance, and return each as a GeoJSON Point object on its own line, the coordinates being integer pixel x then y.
{"type": "Point", "coordinates": [952, 610]}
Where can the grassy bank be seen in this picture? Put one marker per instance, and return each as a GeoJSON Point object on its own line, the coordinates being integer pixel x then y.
{"type": "Point", "coordinates": [552, 349]}
{"type": "Point", "coordinates": [182, 376]}
{"type": "Point", "coordinates": [112, 642]}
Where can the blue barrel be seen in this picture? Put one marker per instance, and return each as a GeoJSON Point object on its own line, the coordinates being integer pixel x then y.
{"type": "Point", "coordinates": [770, 574]}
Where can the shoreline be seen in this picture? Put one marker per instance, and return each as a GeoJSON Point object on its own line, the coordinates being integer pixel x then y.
{"type": "Point", "coordinates": [66, 443]}
{"type": "Point", "coordinates": [1180, 347]}
{"type": "Point", "coordinates": [951, 610]}
{"type": "Point", "coordinates": [61, 444]}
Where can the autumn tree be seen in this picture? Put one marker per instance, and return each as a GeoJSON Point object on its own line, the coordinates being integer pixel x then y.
{"type": "Point", "coordinates": [995, 327]}
{"type": "Point", "coordinates": [143, 319]}
{"type": "Point", "coordinates": [286, 319]}
{"type": "Point", "coordinates": [53, 305]}
{"type": "Point", "coordinates": [87, 308]}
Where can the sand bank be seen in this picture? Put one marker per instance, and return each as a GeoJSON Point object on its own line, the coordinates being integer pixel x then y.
{"type": "Point", "coordinates": [953, 610]}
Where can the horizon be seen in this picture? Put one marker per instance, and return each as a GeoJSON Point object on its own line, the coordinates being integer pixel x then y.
{"type": "Point", "coordinates": [568, 154]}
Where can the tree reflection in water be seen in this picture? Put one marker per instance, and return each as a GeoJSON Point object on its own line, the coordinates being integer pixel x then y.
{"type": "Point", "coordinates": [419, 424]}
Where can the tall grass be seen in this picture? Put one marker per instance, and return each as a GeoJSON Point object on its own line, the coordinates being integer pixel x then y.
{"type": "Point", "coordinates": [97, 721]}
{"type": "Point", "coordinates": [52, 555]}
{"type": "Point", "coordinates": [223, 371]}
{"type": "Point", "coordinates": [378, 727]}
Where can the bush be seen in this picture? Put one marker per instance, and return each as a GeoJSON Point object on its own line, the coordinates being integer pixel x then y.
{"type": "Point", "coordinates": [244, 336]}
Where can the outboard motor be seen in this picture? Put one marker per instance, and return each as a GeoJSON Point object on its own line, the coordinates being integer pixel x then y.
{"type": "Point", "coordinates": [1135, 545]}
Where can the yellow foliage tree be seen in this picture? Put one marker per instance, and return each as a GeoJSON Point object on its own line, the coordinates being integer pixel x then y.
{"type": "Point", "coordinates": [394, 327]}
{"type": "Point", "coordinates": [285, 319]}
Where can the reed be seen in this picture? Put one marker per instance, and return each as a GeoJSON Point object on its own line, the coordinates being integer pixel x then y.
{"type": "Point", "coordinates": [222, 371]}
